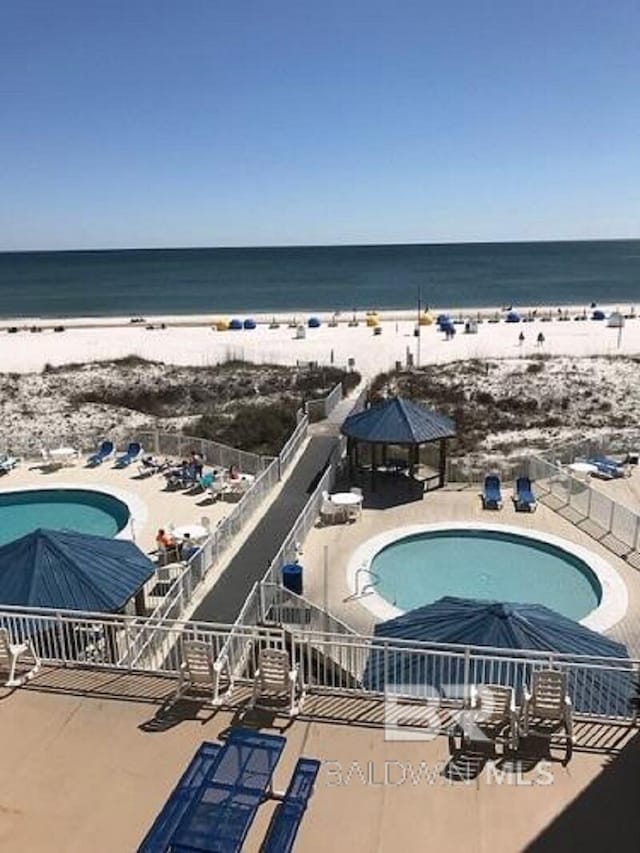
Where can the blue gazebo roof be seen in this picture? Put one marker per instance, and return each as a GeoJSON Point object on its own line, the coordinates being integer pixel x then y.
{"type": "Point", "coordinates": [398, 421]}
{"type": "Point", "coordinates": [508, 626]}
{"type": "Point", "coordinates": [71, 571]}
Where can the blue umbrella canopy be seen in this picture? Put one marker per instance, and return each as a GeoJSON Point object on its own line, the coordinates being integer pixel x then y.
{"type": "Point", "coordinates": [508, 626]}
{"type": "Point", "coordinates": [71, 571]}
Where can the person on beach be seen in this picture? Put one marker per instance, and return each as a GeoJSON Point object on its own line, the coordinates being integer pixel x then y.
{"type": "Point", "coordinates": [521, 338]}
{"type": "Point", "coordinates": [540, 339]}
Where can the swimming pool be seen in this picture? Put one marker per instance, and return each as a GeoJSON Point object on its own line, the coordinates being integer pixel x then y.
{"type": "Point", "coordinates": [82, 510]}
{"type": "Point", "coordinates": [410, 567]}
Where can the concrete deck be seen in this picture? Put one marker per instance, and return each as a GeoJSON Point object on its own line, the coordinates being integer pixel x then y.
{"type": "Point", "coordinates": [82, 770]}
{"type": "Point", "coordinates": [160, 506]}
{"type": "Point", "coordinates": [392, 507]}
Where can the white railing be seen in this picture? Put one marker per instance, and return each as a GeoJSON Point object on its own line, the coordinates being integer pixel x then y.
{"type": "Point", "coordinates": [588, 504]}
{"type": "Point", "coordinates": [214, 454]}
{"type": "Point", "coordinates": [180, 593]}
{"type": "Point", "coordinates": [322, 408]}
{"type": "Point", "coordinates": [295, 442]}
{"type": "Point", "coordinates": [336, 662]}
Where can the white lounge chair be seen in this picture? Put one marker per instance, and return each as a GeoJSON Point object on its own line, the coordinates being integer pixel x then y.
{"type": "Point", "coordinates": [275, 679]}
{"type": "Point", "coordinates": [10, 653]}
{"type": "Point", "coordinates": [199, 672]}
{"type": "Point", "coordinates": [494, 713]}
{"type": "Point", "coordinates": [547, 706]}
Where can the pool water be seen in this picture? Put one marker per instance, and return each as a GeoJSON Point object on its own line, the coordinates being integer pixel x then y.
{"type": "Point", "coordinates": [81, 510]}
{"type": "Point", "coordinates": [422, 568]}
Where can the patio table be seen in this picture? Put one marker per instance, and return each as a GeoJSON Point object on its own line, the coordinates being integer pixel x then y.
{"type": "Point", "coordinates": [223, 810]}
{"type": "Point", "coordinates": [196, 532]}
{"type": "Point", "coordinates": [345, 499]}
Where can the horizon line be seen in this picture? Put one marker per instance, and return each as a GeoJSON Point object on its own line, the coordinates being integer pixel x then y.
{"type": "Point", "coordinates": [327, 245]}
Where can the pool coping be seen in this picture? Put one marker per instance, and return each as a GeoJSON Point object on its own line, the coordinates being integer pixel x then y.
{"type": "Point", "coordinates": [138, 512]}
{"type": "Point", "coordinates": [613, 604]}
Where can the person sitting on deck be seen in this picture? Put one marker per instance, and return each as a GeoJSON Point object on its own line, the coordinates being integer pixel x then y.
{"type": "Point", "coordinates": [188, 548]}
{"type": "Point", "coordinates": [166, 543]}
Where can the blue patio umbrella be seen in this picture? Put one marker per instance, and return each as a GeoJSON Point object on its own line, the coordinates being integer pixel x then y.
{"type": "Point", "coordinates": [71, 571]}
{"type": "Point", "coordinates": [501, 626]}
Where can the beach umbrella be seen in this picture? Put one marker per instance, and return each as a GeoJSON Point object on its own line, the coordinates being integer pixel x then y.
{"type": "Point", "coordinates": [499, 625]}
{"type": "Point", "coordinates": [65, 570]}
{"type": "Point", "coordinates": [313, 322]}
{"type": "Point", "coordinates": [513, 317]}
{"type": "Point", "coordinates": [235, 324]}
{"type": "Point", "coordinates": [249, 323]}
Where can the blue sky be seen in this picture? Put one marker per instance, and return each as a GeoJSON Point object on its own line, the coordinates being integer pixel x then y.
{"type": "Point", "coordinates": [156, 123]}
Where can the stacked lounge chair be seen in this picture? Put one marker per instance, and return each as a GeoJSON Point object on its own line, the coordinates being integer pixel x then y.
{"type": "Point", "coordinates": [523, 497]}
{"type": "Point", "coordinates": [491, 495]}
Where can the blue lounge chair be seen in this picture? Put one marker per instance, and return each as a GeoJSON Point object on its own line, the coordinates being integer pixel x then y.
{"type": "Point", "coordinates": [159, 836]}
{"type": "Point", "coordinates": [104, 452]}
{"type": "Point", "coordinates": [134, 450]}
{"type": "Point", "coordinates": [491, 496]}
{"type": "Point", "coordinates": [287, 817]}
{"type": "Point", "coordinates": [608, 468]}
{"type": "Point", "coordinates": [523, 498]}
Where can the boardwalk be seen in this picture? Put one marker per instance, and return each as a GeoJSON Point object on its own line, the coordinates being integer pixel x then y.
{"type": "Point", "coordinates": [224, 602]}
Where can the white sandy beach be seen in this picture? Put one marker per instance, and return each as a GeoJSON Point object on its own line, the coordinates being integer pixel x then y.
{"type": "Point", "coordinates": [192, 341]}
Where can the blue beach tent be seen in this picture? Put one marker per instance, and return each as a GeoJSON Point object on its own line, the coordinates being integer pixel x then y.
{"type": "Point", "coordinates": [513, 317]}
{"type": "Point", "coordinates": [313, 323]}
{"type": "Point", "coordinates": [235, 324]}
{"type": "Point", "coordinates": [598, 315]}
{"type": "Point", "coordinates": [470, 622]}
{"type": "Point", "coordinates": [249, 323]}
{"type": "Point", "coordinates": [71, 571]}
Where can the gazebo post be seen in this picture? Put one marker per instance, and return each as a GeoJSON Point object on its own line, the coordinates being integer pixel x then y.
{"type": "Point", "coordinates": [373, 467]}
{"type": "Point", "coordinates": [385, 449]}
{"type": "Point", "coordinates": [140, 604]}
{"type": "Point", "coordinates": [443, 461]}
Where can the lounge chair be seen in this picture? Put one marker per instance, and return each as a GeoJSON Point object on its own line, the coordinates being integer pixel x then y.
{"type": "Point", "coordinates": [492, 715]}
{"type": "Point", "coordinates": [275, 679]}
{"type": "Point", "coordinates": [289, 813]}
{"type": "Point", "coordinates": [523, 497]}
{"type": "Point", "coordinates": [7, 463]}
{"type": "Point", "coordinates": [607, 468]}
{"type": "Point", "coordinates": [149, 465]}
{"type": "Point", "coordinates": [104, 452]}
{"type": "Point", "coordinates": [547, 707]}
{"type": "Point", "coordinates": [199, 672]}
{"type": "Point", "coordinates": [491, 496]}
{"type": "Point", "coordinates": [133, 452]}
{"type": "Point", "coordinates": [10, 653]}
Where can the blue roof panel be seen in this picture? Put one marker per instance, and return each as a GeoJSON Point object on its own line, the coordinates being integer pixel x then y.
{"type": "Point", "coordinates": [398, 421]}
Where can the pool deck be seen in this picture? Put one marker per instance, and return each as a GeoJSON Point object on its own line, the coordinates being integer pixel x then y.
{"type": "Point", "coordinates": [159, 506]}
{"type": "Point", "coordinates": [386, 510]}
{"type": "Point", "coordinates": [90, 757]}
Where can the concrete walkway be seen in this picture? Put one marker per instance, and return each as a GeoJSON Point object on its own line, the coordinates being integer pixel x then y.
{"type": "Point", "coordinates": [225, 600]}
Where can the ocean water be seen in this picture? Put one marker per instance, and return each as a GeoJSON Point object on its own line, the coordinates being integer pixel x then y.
{"type": "Point", "coordinates": [189, 281]}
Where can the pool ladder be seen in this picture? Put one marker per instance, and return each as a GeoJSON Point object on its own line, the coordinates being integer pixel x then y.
{"type": "Point", "coordinates": [368, 587]}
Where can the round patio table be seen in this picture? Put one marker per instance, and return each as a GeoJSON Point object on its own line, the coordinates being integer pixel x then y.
{"type": "Point", "coordinates": [196, 532]}
{"type": "Point", "coordinates": [345, 499]}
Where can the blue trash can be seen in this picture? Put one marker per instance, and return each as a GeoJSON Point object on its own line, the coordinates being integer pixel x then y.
{"type": "Point", "coordinates": [292, 577]}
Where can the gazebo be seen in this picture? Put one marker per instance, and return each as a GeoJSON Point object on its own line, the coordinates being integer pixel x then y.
{"type": "Point", "coordinates": [397, 422]}
{"type": "Point", "coordinates": [73, 571]}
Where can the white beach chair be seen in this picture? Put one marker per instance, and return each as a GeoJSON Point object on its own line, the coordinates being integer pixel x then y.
{"type": "Point", "coordinates": [547, 706]}
{"type": "Point", "coordinates": [276, 680]}
{"type": "Point", "coordinates": [199, 672]}
{"type": "Point", "coordinates": [10, 653]}
{"type": "Point", "coordinates": [493, 713]}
